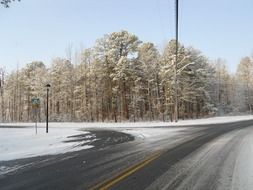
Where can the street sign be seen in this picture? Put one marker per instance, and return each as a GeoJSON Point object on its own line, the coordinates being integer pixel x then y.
{"type": "Point", "coordinates": [35, 103]}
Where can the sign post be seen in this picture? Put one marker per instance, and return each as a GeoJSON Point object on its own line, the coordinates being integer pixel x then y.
{"type": "Point", "coordinates": [35, 107]}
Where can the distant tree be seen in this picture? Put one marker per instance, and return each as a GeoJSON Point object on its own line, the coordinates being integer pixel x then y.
{"type": "Point", "coordinates": [196, 81]}
{"type": "Point", "coordinates": [167, 73]}
{"type": "Point", "coordinates": [221, 90]}
{"type": "Point", "coordinates": [117, 51]}
{"type": "Point", "coordinates": [149, 87]}
{"type": "Point", "coordinates": [121, 78]}
{"type": "Point", "coordinates": [2, 103]}
{"type": "Point", "coordinates": [245, 80]}
{"type": "Point", "coordinates": [32, 82]}
{"type": "Point", "coordinates": [61, 78]}
{"type": "Point", "coordinates": [6, 3]}
{"type": "Point", "coordinates": [194, 78]}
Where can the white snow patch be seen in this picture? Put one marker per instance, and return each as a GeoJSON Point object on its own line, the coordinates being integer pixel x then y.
{"type": "Point", "coordinates": [18, 143]}
{"type": "Point", "coordinates": [144, 133]}
{"type": "Point", "coordinates": [6, 169]}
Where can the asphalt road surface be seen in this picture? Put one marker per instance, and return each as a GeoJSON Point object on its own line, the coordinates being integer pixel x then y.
{"type": "Point", "coordinates": [204, 157]}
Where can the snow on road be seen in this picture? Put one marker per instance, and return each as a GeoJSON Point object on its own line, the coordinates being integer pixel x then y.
{"type": "Point", "coordinates": [223, 164]}
{"type": "Point", "coordinates": [154, 133]}
{"type": "Point", "coordinates": [243, 170]}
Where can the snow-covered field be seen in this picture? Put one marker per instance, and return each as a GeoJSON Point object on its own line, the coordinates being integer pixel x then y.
{"type": "Point", "coordinates": [23, 142]}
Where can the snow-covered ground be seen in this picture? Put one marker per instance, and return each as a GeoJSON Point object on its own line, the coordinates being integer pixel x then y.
{"type": "Point", "coordinates": [23, 142]}
{"type": "Point", "coordinates": [211, 120]}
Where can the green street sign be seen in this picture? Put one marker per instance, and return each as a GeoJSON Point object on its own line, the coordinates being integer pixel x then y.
{"type": "Point", "coordinates": [35, 103]}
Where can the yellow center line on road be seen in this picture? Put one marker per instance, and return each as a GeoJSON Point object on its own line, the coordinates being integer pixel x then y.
{"type": "Point", "coordinates": [125, 173]}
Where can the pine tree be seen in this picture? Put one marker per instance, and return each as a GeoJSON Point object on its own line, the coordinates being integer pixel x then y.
{"type": "Point", "coordinates": [62, 89]}
{"type": "Point", "coordinates": [245, 76]}
{"type": "Point", "coordinates": [120, 78]}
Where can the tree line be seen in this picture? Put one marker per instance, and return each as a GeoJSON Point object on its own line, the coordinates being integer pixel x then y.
{"type": "Point", "coordinates": [122, 78]}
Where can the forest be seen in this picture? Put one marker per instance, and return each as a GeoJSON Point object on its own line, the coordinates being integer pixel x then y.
{"type": "Point", "coordinates": [122, 78]}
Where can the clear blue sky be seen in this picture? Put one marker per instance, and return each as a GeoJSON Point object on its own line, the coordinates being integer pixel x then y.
{"type": "Point", "coordinates": [43, 29]}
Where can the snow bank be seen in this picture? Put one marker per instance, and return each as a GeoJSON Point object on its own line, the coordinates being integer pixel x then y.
{"type": "Point", "coordinates": [18, 143]}
{"type": "Point", "coordinates": [205, 121]}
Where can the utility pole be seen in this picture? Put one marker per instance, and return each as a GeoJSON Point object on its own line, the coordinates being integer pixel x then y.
{"type": "Point", "coordinates": [176, 60]}
{"type": "Point", "coordinates": [47, 86]}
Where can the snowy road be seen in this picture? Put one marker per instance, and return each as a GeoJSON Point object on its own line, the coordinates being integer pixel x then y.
{"type": "Point", "coordinates": [197, 157]}
{"type": "Point", "coordinates": [223, 163]}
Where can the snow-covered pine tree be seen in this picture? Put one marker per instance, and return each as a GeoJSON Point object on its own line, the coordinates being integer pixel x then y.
{"type": "Point", "coordinates": [244, 76]}
{"type": "Point", "coordinates": [62, 89]}
{"type": "Point", "coordinates": [222, 88]}
{"type": "Point", "coordinates": [121, 78]}
{"type": "Point", "coordinates": [118, 50]}
{"type": "Point", "coordinates": [149, 58]}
